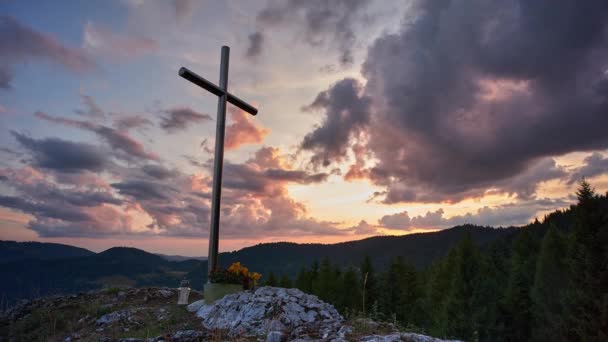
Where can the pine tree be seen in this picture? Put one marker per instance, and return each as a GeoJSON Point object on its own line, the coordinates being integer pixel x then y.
{"type": "Point", "coordinates": [518, 301]}
{"type": "Point", "coordinates": [350, 290]}
{"type": "Point", "coordinates": [324, 285]}
{"type": "Point", "coordinates": [548, 287]}
{"type": "Point", "coordinates": [440, 275]}
{"type": "Point", "coordinates": [304, 280]}
{"type": "Point", "coordinates": [285, 281]}
{"type": "Point", "coordinates": [586, 299]}
{"type": "Point", "coordinates": [459, 309]}
{"type": "Point", "coordinates": [272, 280]}
{"type": "Point", "coordinates": [369, 283]}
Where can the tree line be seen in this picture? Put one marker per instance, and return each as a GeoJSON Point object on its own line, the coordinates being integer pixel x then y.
{"type": "Point", "coordinates": [546, 282]}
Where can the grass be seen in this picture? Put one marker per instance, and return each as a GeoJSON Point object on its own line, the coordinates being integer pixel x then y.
{"type": "Point", "coordinates": [78, 316]}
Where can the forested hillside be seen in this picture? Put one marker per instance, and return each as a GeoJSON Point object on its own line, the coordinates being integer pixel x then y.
{"type": "Point", "coordinates": [68, 273]}
{"type": "Point", "coordinates": [546, 282]}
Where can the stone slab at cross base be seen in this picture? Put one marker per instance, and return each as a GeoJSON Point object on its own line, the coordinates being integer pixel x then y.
{"type": "Point", "coordinates": [183, 293]}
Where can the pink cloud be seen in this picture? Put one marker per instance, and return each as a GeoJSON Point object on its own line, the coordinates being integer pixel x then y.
{"type": "Point", "coordinates": [243, 130]}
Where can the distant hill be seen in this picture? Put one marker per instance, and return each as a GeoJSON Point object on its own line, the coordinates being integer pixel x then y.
{"type": "Point", "coordinates": [14, 251]}
{"type": "Point", "coordinates": [44, 273]}
{"type": "Point", "coordinates": [180, 257]}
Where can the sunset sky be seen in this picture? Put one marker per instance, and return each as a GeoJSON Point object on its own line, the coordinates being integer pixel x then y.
{"type": "Point", "coordinates": [375, 117]}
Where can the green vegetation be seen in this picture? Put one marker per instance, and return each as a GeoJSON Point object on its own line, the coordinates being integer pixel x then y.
{"type": "Point", "coordinates": [544, 282]}
{"type": "Point", "coordinates": [77, 316]}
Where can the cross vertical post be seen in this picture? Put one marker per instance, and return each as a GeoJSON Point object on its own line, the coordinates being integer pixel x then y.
{"type": "Point", "coordinates": [218, 165]}
{"type": "Point", "coordinates": [224, 96]}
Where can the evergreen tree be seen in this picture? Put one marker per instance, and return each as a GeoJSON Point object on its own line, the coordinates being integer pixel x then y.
{"type": "Point", "coordinates": [324, 285]}
{"type": "Point", "coordinates": [547, 290]}
{"type": "Point", "coordinates": [272, 280]}
{"type": "Point", "coordinates": [518, 301]}
{"type": "Point", "coordinates": [459, 309]}
{"type": "Point", "coordinates": [285, 281]}
{"type": "Point", "coordinates": [369, 284]}
{"type": "Point", "coordinates": [350, 290]}
{"type": "Point", "coordinates": [304, 280]}
{"type": "Point", "coordinates": [440, 275]}
{"type": "Point", "coordinates": [586, 299]}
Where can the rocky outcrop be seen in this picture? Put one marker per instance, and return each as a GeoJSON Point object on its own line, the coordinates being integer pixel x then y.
{"type": "Point", "coordinates": [265, 314]}
{"type": "Point", "coordinates": [277, 313]}
{"type": "Point", "coordinates": [281, 314]}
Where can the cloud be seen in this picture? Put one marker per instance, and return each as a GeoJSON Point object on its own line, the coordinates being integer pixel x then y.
{"type": "Point", "coordinates": [128, 122]}
{"type": "Point", "coordinates": [144, 190]}
{"type": "Point", "coordinates": [346, 114]}
{"type": "Point", "coordinates": [5, 77]}
{"type": "Point", "coordinates": [63, 155]}
{"type": "Point", "coordinates": [19, 43]}
{"type": "Point", "coordinates": [324, 23]}
{"type": "Point", "coordinates": [75, 208]}
{"type": "Point", "coordinates": [243, 130]}
{"type": "Point", "coordinates": [254, 49]}
{"type": "Point", "coordinates": [595, 164]}
{"type": "Point", "coordinates": [511, 214]}
{"type": "Point", "coordinates": [177, 119]}
{"type": "Point", "coordinates": [92, 108]}
{"type": "Point", "coordinates": [124, 146]}
{"type": "Point", "coordinates": [101, 41]}
{"type": "Point", "coordinates": [184, 8]}
{"type": "Point", "coordinates": [205, 146]}
{"type": "Point", "coordinates": [466, 94]}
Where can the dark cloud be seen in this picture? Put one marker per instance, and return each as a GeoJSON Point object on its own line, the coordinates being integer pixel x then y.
{"type": "Point", "coordinates": [158, 171]}
{"type": "Point", "coordinates": [594, 165]}
{"type": "Point", "coordinates": [323, 22]}
{"type": "Point", "coordinates": [254, 49]}
{"type": "Point", "coordinates": [179, 118]}
{"type": "Point", "coordinates": [346, 114]}
{"type": "Point", "coordinates": [469, 95]}
{"type": "Point", "coordinates": [144, 190]}
{"type": "Point", "coordinates": [128, 122]}
{"type": "Point", "coordinates": [123, 145]}
{"type": "Point", "coordinates": [296, 176]}
{"type": "Point", "coordinates": [19, 43]}
{"type": "Point", "coordinates": [56, 212]}
{"type": "Point", "coordinates": [62, 155]}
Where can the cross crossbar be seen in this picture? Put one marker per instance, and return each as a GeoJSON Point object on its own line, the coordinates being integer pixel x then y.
{"type": "Point", "coordinates": [217, 91]}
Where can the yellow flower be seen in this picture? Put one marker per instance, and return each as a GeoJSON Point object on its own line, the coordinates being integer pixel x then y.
{"type": "Point", "coordinates": [255, 276]}
{"type": "Point", "coordinates": [235, 267]}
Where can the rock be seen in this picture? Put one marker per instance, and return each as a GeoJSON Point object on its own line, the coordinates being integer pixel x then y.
{"type": "Point", "coordinates": [195, 306]}
{"type": "Point", "coordinates": [247, 313]}
{"type": "Point", "coordinates": [112, 317]}
{"type": "Point", "coordinates": [276, 325]}
{"type": "Point", "coordinates": [275, 336]}
{"type": "Point", "coordinates": [412, 337]}
{"type": "Point", "coordinates": [165, 293]}
{"type": "Point", "coordinates": [345, 330]}
{"type": "Point", "coordinates": [187, 336]}
{"type": "Point", "coordinates": [402, 337]}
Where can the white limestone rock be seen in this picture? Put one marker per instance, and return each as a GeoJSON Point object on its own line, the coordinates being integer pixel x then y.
{"type": "Point", "coordinates": [251, 313]}
{"type": "Point", "coordinates": [195, 306]}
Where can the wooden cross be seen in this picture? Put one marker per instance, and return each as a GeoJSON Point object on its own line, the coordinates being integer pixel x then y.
{"type": "Point", "coordinates": [223, 96]}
